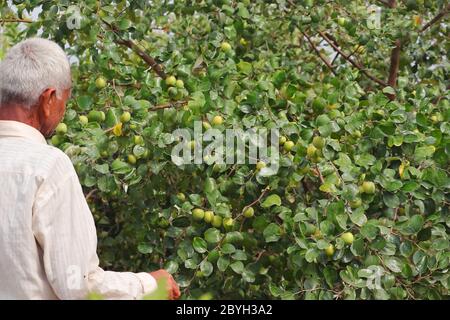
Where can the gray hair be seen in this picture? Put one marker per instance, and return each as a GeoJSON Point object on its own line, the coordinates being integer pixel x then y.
{"type": "Point", "coordinates": [31, 67]}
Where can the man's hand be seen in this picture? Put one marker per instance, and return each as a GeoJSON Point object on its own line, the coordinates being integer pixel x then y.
{"type": "Point", "coordinates": [172, 287]}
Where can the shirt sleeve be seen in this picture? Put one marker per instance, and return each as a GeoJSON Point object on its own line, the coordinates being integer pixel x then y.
{"type": "Point", "coordinates": [65, 231]}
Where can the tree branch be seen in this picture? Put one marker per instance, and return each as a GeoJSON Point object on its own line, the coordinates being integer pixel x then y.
{"type": "Point", "coordinates": [438, 17]}
{"type": "Point", "coordinates": [355, 64]}
{"type": "Point", "coordinates": [393, 68]}
{"type": "Point", "coordinates": [16, 20]}
{"type": "Point", "coordinates": [130, 44]}
{"type": "Point", "coordinates": [176, 104]}
{"type": "Point", "coordinates": [395, 59]}
{"type": "Point", "coordinates": [327, 63]}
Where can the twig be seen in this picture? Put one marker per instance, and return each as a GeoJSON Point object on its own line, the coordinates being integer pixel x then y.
{"type": "Point", "coordinates": [438, 17]}
{"type": "Point", "coordinates": [355, 64]}
{"type": "Point", "coordinates": [90, 194]}
{"type": "Point", "coordinates": [131, 45]}
{"type": "Point", "coordinates": [176, 104]}
{"type": "Point", "coordinates": [16, 20]}
{"type": "Point", "coordinates": [327, 63]}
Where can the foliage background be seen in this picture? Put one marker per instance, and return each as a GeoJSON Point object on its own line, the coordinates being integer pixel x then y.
{"type": "Point", "coordinates": [381, 106]}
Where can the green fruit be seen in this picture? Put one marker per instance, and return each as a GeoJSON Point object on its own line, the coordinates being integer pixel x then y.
{"type": "Point", "coordinates": [288, 145]}
{"type": "Point", "coordinates": [83, 120]}
{"type": "Point", "coordinates": [96, 116]}
{"type": "Point", "coordinates": [355, 203]}
{"type": "Point", "coordinates": [283, 140]}
{"type": "Point", "coordinates": [132, 159]}
{"type": "Point", "coordinates": [318, 142]}
{"type": "Point", "coordinates": [209, 216]}
{"type": "Point", "coordinates": [180, 84]}
{"type": "Point", "coordinates": [249, 212]}
{"type": "Point", "coordinates": [217, 120]}
{"type": "Point", "coordinates": [198, 214]}
{"type": "Point", "coordinates": [56, 140]}
{"type": "Point", "coordinates": [125, 117]}
{"type": "Point", "coordinates": [217, 221]}
{"type": "Point", "coordinates": [228, 223]}
{"type": "Point", "coordinates": [311, 151]}
{"type": "Point", "coordinates": [61, 129]}
{"type": "Point", "coordinates": [368, 187]}
{"type": "Point", "coordinates": [347, 237]}
{"type": "Point", "coordinates": [206, 125]}
{"type": "Point", "coordinates": [260, 165]}
{"type": "Point", "coordinates": [225, 46]}
{"type": "Point", "coordinates": [172, 92]}
{"type": "Point", "coordinates": [171, 81]}
{"type": "Point", "coordinates": [100, 83]}
{"type": "Point", "coordinates": [138, 140]}
{"type": "Point", "coordinates": [341, 21]}
{"type": "Point", "coordinates": [181, 197]}
{"type": "Point", "coordinates": [243, 42]}
{"type": "Point", "coordinates": [329, 251]}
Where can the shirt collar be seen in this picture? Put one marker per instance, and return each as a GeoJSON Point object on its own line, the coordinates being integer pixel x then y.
{"type": "Point", "coordinates": [18, 129]}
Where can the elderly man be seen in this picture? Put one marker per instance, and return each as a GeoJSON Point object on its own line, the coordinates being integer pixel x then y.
{"type": "Point", "coordinates": [47, 234]}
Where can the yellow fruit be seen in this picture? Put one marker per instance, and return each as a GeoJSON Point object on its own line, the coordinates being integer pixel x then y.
{"type": "Point", "coordinates": [171, 81]}
{"type": "Point", "coordinates": [249, 212]}
{"type": "Point", "coordinates": [260, 165]}
{"type": "Point", "coordinates": [198, 214]}
{"type": "Point", "coordinates": [243, 42]}
{"type": "Point", "coordinates": [283, 140]}
{"type": "Point", "coordinates": [217, 221]}
{"type": "Point", "coordinates": [347, 237]}
{"type": "Point", "coordinates": [100, 83]}
{"type": "Point", "coordinates": [132, 159]}
{"type": "Point", "coordinates": [329, 251]}
{"type": "Point", "coordinates": [125, 117]}
{"type": "Point", "coordinates": [206, 125]}
{"type": "Point", "coordinates": [228, 223]}
{"type": "Point", "coordinates": [355, 203]}
{"type": "Point", "coordinates": [288, 145]}
{"type": "Point", "coordinates": [368, 187]}
{"type": "Point", "coordinates": [181, 196]}
{"type": "Point", "coordinates": [61, 129]}
{"type": "Point", "coordinates": [209, 216]}
{"type": "Point", "coordinates": [180, 84]}
{"type": "Point", "coordinates": [83, 120]}
{"type": "Point", "coordinates": [138, 140]}
{"type": "Point", "coordinates": [217, 120]}
{"type": "Point", "coordinates": [311, 151]}
{"type": "Point", "coordinates": [117, 129]}
{"type": "Point", "coordinates": [318, 142]}
{"type": "Point", "coordinates": [225, 46]}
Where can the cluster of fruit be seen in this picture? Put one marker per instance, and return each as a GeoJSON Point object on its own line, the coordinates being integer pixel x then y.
{"type": "Point", "coordinates": [217, 221]}
{"type": "Point", "coordinates": [347, 237]}
{"type": "Point", "coordinates": [176, 88]}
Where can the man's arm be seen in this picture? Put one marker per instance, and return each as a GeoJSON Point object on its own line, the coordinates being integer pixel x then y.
{"type": "Point", "coordinates": [64, 229]}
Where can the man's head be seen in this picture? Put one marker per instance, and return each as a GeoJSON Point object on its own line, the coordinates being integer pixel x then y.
{"type": "Point", "coordinates": [35, 84]}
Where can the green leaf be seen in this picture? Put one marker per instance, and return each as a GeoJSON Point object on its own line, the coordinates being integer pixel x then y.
{"type": "Point", "coordinates": [272, 232]}
{"type": "Point", "coordinates": [212, 235]}
{"type": "Point", "coordinates": [237, 267]}
{"type": "Point", "coordinates": [206, 268]}
{"type": "Point", "coordinates": [272, 200]}
{"type": "Point", "coordinates": [199, 245]}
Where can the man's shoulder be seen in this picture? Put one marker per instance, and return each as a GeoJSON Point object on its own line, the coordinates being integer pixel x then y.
{"type": "Point", "coordinates": [50, 159]}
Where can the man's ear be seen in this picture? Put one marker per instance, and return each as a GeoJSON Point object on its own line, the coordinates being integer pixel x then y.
{"type": "Point", "coordinates": [46, 101]}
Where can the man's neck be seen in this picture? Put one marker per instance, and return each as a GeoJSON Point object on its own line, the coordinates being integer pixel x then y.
{"type": "Point", "coordinates": [20, 114]}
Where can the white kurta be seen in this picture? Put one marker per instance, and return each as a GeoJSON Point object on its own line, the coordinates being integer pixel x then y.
{"type": "Point", "coordinates": [48, 239]}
